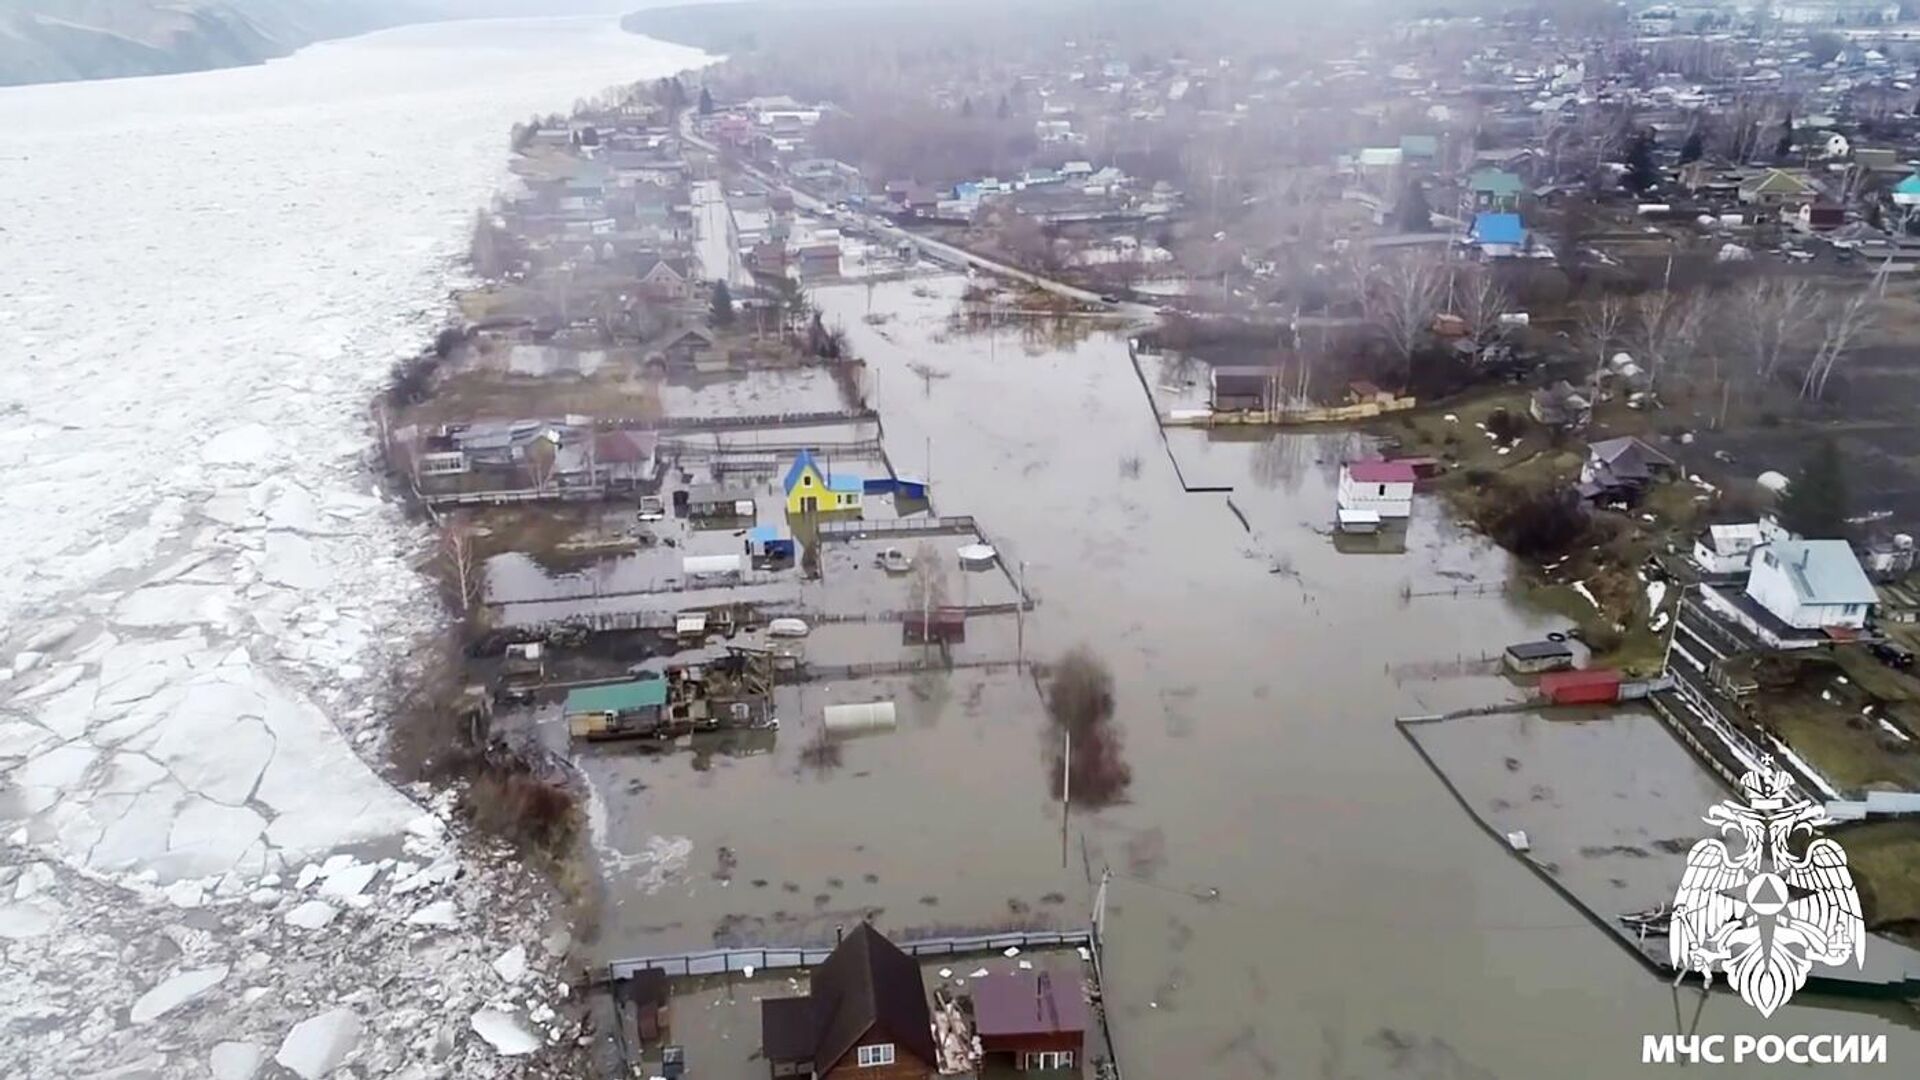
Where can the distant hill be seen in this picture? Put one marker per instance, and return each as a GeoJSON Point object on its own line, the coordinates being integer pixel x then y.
{"type": "Point", "coordinates": [62, 40]}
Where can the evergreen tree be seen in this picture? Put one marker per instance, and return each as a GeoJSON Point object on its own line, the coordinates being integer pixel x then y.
{"type": "Point", "coordinates": [1005, 108]}
{"type": "Point", "coordinates": [1784, 148]}
{"type": "Point", "coordinates": [706, 102]}
{"type": "Point", "coordinates": [966, 106]}
{"type": "Point", "coordinates": [1642, 174]}
{"type": "Point", "coordinates": [1415, 215]}
{"type": "Point", "coordinates": [1695, 146]}
{"type": "Point", "coordinates": [1815, 503]}
{"type": "Point", "coordinates": [721, 309]}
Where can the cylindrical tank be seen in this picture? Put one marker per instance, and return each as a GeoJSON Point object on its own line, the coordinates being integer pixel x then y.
{"type": "Point", "coordinates": [859, 718]}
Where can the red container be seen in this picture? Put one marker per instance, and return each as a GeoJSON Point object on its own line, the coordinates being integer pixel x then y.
{"type": "Point", "coordinates": [1594, 686]}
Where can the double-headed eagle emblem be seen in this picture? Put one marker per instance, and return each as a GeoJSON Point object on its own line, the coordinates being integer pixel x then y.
{"type": "Point", "coordinates": [1765, 913]}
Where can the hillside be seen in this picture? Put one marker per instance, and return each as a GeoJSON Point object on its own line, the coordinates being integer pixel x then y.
{"type": "Point", "coordinates": [59, 40]}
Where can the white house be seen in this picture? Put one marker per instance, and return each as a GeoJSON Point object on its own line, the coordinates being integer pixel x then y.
{"type": "Point", "coordinates": [1726, 550]}
{"type": "Point", "coordinates": [1384, 487]}
{"type": "Point", "coordinates": [1811, 584]}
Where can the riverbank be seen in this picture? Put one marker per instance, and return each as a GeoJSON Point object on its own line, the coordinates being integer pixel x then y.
{"type": "Point", "coordinates": [209, 602]}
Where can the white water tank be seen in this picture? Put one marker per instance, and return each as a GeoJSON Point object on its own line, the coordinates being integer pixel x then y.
{"type": "Point", "coordinates": [859, 718]}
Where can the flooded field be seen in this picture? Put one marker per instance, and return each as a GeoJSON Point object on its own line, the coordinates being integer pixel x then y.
{"type": "Point", "coordinates": [1294, 892]}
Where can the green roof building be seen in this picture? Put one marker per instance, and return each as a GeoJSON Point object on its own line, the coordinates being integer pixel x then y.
{"type": "Point", "coordinates": [618, 699]}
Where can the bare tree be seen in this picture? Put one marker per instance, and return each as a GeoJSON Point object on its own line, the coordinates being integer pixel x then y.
{"type": "Point", "coordinates": [1600, 326]}
{"type": "Point", "coordinates": [1769, 315]}
{"type": "Point", "coordinates": [458, 557]}
{"type": "Point", "coordinates": [1409, 297]}
{"type": "Point", "coordinates": [1665, 328]}
{"type": "Point", "coordinates": [1844, 322]}
{"type": "Point", "coordinates": [926, 589]}
{"type": "Point", "coordinates": [542, 455]}
{"type": "Point", "coordinates": [1481, 304]}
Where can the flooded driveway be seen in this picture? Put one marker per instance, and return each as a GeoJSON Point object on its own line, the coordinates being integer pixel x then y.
{"type": "Point", "coordinates": [1293, 893]}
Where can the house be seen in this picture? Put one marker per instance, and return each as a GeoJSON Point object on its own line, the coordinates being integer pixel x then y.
{"type": "Point", "coordinates": [1362, 392]}
{"type": "Point", "coordinates": [1240, 388]}
{"type": "Point", "coordinates": [810, 489]}
{"type": "Point", "coordinates": [1811, 585]}
{"type": "Point", "coordinates": [1384, 487]}
{"type": "Point", "coordinates": [1727, 550]}
{"type": "Point", "coordinates": [1907, 192]}
{"type": "Point", "coordinates": [663, 278]}
{"type": "Point", "coordinates": [1619, 470]}
{"type": "Point", "coordinates": [1494, 190]}
{"type": "Point", "coordinates": [1534, 657]}
{"type": "Point", "coordinates": [865, 1015]}
{"type": "Point", "coordinates": [681, 350]}
{"type": "Point", "coordinates": [1819, 217]}
{"type": "Point", "coordinates": [1561, 407]}
{"type": "Point", "coordinates": [1419, 148]}
{"type": "Point", "coordinates": [1498, 235]}
{"type": "Point", "coordinates": [1030, 1020]}
{"type": "Point", "coordinates": [1778, 187]}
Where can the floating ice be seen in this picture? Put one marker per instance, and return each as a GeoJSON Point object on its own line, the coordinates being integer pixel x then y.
{"type": "Point", "coordinates": [504, 1032]}
{"type": "Point", "coordinates": [235, 1060]}
{"type": "Point", "coordinates": [316, 1046]}
{"type": "Point", "coordinates": [312, 915]}
{"type": "Point", "coordinates": [438, 913]}
{"type": "Point", "coordinates": [511, 965]}
{"type": "Point", "coordinates": [175, 992]}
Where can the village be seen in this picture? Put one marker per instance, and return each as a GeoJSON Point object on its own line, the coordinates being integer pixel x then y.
{"type": "Point", "coordinates": [753, 454]}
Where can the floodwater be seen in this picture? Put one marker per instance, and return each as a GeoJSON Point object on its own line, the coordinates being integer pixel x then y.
{"type": "Point", "coordinates": [1294, 893]}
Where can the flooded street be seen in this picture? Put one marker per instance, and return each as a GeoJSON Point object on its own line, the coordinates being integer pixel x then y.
{"type": "Point", "coordinates": [1294, 892]}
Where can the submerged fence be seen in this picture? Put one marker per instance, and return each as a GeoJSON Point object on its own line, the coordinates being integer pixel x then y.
{"type": "Point", "coordinates": [777, 958]}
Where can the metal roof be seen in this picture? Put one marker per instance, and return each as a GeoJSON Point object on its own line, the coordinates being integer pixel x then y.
{"type": "Point", "coordinates": [1539, 650]}
{"type": "Point", "coordinates": [620, 697]}
{"type": "Point", "coordinates": [1824, 571]}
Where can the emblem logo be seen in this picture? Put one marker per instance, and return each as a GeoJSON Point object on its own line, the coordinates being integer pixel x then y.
{"type": "Point", "coordinates": [1764, 913]}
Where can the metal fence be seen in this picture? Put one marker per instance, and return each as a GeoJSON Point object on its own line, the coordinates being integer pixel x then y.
{"type": "Point", "coordinates": [777, 958]}
{"type": "Point", "coordinates": [853, 530]}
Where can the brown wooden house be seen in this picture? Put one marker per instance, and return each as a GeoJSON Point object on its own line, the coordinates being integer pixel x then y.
{"type": "Point", "coordinates": [1035, 1021]}
{"type": "Point", "coordinates": [866, 1017]}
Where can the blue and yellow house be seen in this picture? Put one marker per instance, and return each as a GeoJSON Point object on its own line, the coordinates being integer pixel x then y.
{"type": "Point", "coordinates": [811, 489]}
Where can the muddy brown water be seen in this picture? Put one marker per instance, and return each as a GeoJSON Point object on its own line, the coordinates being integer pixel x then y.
{"type": "Point", "coordinates": [1294, 893]}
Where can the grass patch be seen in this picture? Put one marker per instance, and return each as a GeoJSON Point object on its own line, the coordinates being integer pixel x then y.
{"type": "Point", "coordinates": [1885, 856]}
{"type": "Point", "coordinates": [1851, 750]}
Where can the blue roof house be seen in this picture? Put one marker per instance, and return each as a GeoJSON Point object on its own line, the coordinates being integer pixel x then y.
{"type": "Point", "coordinates": [1498, 235]}
{"type": "Point", "coordinates": [812, 490]}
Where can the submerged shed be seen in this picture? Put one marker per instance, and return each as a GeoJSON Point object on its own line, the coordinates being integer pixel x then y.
{"type": "Point", "coordinates": [1534, 657]}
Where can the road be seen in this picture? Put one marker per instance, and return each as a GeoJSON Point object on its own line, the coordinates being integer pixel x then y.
{"type": "Point", "coordinates": [935, 249]}
{"type": "Point", "coordinates": [713, 243]}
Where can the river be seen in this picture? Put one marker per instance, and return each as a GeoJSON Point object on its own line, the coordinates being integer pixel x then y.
{"type": "Point", "coordinates": [204, 279]}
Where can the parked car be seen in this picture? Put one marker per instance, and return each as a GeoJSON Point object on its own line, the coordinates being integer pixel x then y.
{"type": "Point", "coordinates": [652, 508]}
{"type": "Point", "coordinates": [1891, 655]}
{"type": "Point", "coordinates": [894, 561]}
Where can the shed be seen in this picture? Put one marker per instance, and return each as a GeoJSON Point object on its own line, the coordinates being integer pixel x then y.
{"type": "Point", "coordinates": [769, 543]}
{"type": "Point", "coordinates": [1038, 1019]}
{"type": "Point", "coordinates": [719, 501]}
{"type": "Point", "coordinates": [786, 1035]}
{"type": "Point", "coordinates": [1593, 686]}
{"type": "Point", "coordinates": [1384, 487]}
{"type": "Point", "coordinates": [1533, 657]}
{"type": "Point", "coordinates": [710, 565]}
{"type": "Point", "coordinates": [618, 698]}
{"type": "Point", "coordinates": [1237, 388]}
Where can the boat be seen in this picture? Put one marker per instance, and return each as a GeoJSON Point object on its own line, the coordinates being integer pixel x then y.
{"type": "Point", "coordinates": [976, 556]}
{"type": "Point", "coordinates": [1653, 922]}
{"type": "Point", "coordinates": [787, 627]}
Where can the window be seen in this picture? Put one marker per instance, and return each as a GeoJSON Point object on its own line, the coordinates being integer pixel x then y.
{"type": "Point", "coordinates": [877, 1054]}
{"type": "Point", "coordinates": [1047, 1059]}
{"type": "Point", "coordinates": [806, 480]}
{"type": "Point", "coordinates": [1383, 489]}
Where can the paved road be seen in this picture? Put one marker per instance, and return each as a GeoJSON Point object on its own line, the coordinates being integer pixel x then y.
{"type": "Point", "coordinates": [713, 235]}
{"type": "Point", "coordinates": [936, 249]}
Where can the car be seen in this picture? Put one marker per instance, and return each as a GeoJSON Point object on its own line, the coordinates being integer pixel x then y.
{"type": "Point", "coordinates": [894, 561]}
{"type": "Point", "coordinates": [652, 508]}
{"type": "Point", "coordinates": [1894, 656]}
{"type": "Point", "coordinates": [1110, 300]}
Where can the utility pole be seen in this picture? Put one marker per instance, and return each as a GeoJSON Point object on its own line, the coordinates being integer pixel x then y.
{"type": "Point", "coordinates": [1066, 792]}
{"type": "Point", "coordinates": [1020, 618]}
